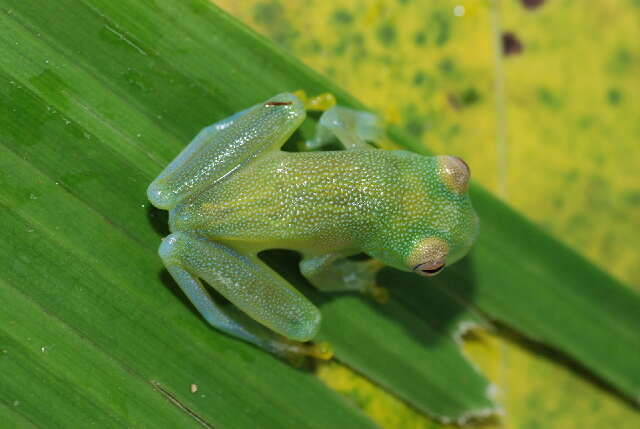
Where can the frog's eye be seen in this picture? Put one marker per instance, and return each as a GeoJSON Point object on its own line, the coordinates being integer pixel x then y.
{"type": "Point", "coordinates": [429, 269]}
{"type": "Point", "coordinates": [429, 256]}
{"type": "Point", "coordinates": [454, 172]}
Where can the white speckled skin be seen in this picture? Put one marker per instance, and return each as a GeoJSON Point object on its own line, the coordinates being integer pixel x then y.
{"type": "Point", "coordinates": [232, 193]}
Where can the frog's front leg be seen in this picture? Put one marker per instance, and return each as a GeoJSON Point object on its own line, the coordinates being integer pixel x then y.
{"type": "Point", "coordinates": [260, 294]}
{"type": "Point", "coordinates": [220, 149]}
{"type": "Point", "coordinates": [335, 273]}
{"type": "Point", "coordinates": [353, 128]}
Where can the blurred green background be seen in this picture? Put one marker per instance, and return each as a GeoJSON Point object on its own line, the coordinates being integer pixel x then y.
{"type": "Point", "coordinates": [541, 99]}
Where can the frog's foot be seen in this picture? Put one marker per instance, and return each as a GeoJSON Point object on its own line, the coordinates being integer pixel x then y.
{"type": "Point", "coordinates": [321, 102]}
{"type": "Point", "coordinates": [332, 273]}
{"type": "Point", "coordinates": [296, 353]}
{"type": "Point", "coordinates": [378, 293]}
{"type": "Point", "coordinates": [267, 311]}
{"type": "Point", "coordinates": [352, 128]}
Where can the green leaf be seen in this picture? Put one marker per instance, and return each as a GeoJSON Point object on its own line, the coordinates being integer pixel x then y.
{"type": "Point", "coordinates": [524, 278]}
{"type": "Point", "coordinates": [93, 106]}
{"type": "Point", "coordinates": [533, 283]}
{"type": "Point", "coordinates": [563, 150]}
{"type": "Point", "coordinates": [92, 331]}
{"type": "Point", "coordinates": [409, 345]}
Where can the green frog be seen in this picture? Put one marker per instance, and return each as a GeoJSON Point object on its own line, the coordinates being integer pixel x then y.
{"type": "Point", "coordinates": [232, 193]}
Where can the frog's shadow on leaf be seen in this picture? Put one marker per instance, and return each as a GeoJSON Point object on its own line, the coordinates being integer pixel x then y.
{"type": "Point", "coordinates": [159, 220]}
{"type": "Point", "coordinates": [427, 299]}
{"type": "Point", "coordinates": [412, 297]}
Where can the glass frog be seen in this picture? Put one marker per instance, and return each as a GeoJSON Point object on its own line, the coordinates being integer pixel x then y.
{"type": "Point", "coordinates": [232, 193]}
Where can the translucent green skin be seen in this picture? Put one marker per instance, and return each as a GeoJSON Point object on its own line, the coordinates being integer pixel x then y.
{"type": "Point", "coordinates": [233, 193]}
{"type": "Point", "coordinates": [374, 201]}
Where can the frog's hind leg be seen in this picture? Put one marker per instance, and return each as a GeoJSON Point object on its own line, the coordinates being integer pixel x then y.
{"type": "Point", "coordinates": [220, 149]}
{"type": "Point", "coordinates": [260, 294]}
{"type": "Point", "coordinates": [353, 128]}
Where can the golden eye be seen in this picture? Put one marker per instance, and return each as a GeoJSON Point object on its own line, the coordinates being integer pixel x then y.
{"type": "Point", "coordinates": [429, 269]}
{"type": "Point", "coordinates": [429, 256]}
{"type": "Point", "coordinates": [454, 172]}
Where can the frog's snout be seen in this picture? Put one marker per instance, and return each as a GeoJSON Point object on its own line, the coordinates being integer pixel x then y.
{"type": "Point", "coordinates": [429, 269]}
{"type": "Point", "coordinates": [429, 256]}
{"type": "Point", "coordinates": [454, 172]}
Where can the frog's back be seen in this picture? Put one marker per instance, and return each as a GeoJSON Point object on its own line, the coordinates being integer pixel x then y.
{"type": "Point", "coordinates": [310, 201]}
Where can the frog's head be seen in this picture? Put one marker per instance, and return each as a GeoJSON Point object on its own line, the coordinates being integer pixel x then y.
{"type": "Point", "coordinates": [436, 224]}
{"type": "Point", "coordinates": [450, 231]}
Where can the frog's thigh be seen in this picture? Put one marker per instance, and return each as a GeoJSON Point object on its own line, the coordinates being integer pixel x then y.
{"type": "Point", "coordinates": [245, 281]}
{"type": "Point", "coordinates": [226, 319]}
{"type": "Point", "coordinates": [352, 128]}
{"type": "Point", "coordinates": [220, 149]}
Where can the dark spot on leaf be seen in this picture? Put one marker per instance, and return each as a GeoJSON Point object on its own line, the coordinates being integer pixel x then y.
{"type": "Point", "coordinates": [511, 45]}
{"type": "Point", "coordinates": [340, 48]}
{"type": "Point", "coordinates": [342, 16]}
{"type": "Point", "coordinates": [549, 98]}
{"type": "Point", "coordinates": [466, 98]}
{"type": "Point", "coordinates": [359, 48]}
{"type": "Point", "coordinates": [586, 122]}
{"type": "Point", "coordinates": [632, 198]}
{"type": "Point", "coordinates": [558, 202]}
{"type": "Point", "coordinates": [271, 15]}
{"type": "Point", "coordinates": [469, 96]}
{"type": "Point", "coordinates": [614, 96]}
{"type": "Point", "coordinates": [268, 13]}
{"type": "Point", "coordinates": [532, 4]}
{"type": "Point", "coordinates": [447, 67]}
{"type": "Point", "coordinates": [442, 25]}
{"type": "Point", "coordinates": [420, 38]}
{"type": "Point", "coordinates": [425, 81]}
{"type": "Point", "coordinates": [571, 176]}
{"type": "Point", "coordinates": [415, 127]}
{"type": "Point", "coordinates": [621, 61]}
{"type": "Point", "coordinates": [315, 46]}
{"type": "Point", "coordinates": [453, 131]}
{"type": "Point", "coordinates": [387, 34]}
